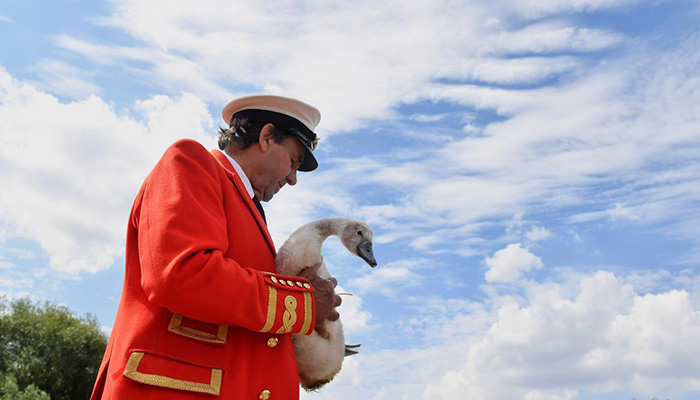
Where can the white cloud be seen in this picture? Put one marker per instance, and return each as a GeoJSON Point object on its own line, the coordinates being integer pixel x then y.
{"type": "Point", "coordinates": [539, 155]}
{"type": "Point", "coordinates": [538, 233]}
{"type": "Point", "coordinates": [389, 279]}
{"type": "Point", "coordinates": [589, 332]}
{"type": "Point", "coordinates": [525, 70]}
{"type": "Point", "coordinates": [102, 54]}
{"type": "Point", "coordinates": [606, 338]}
{"type": "Point", "coordinates": [616, 140]}
{"type": "Point", "coordinates": [106, 330]}
{"type": "Point", "coordinates": [62, 79]}
{"type": "Point", "coordinates": [508, 264]}
{"type": "Point", "coordinates": [544, 39]}
{"type": "Point", "coordinates": [6, 264]}
{"type": "Point", "coordinates": [393, 366]}
{"type": "Point", "coordinates": [541, 8]}
{"type": "Point", "coordinates": [358, 73]}
{"type": "Point", "coordinates": [6, 19]}
{"type": "Point", "coordinates": [625, 153]}
{"type": "Point", "coordinates": [575, 236]}
{"type": "Point", "coordinates": [166, 70]}
{"type": "Point", "coordinates": [656, 281]}
{"type": "Point", "coordinates": [355, 318]}
{"type": "Point", "coordinates": [280, 55]}
{"type": "Point", "coordinates": [427, 117]}
{"type": "Point", "coordinates": [78, 165]}
{"type": "Point", "coordinates": [22, 254]}
{"type": "Point", "coordinates": [15, 282]}
{"type": "Point", "coordinates": [294, 207]}
{"type": "Point", "coordinates": [622, 212]}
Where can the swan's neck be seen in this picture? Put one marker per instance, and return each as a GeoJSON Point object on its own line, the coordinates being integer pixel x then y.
{"type": "Point", "coordinates": [329, 226]}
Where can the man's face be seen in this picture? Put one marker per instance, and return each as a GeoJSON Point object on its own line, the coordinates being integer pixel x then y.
{"type": "Point", "coordinates": [278, 167]}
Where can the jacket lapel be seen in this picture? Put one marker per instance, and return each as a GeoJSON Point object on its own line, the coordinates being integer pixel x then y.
{"type": "Point", "coordinates": [238, 184]}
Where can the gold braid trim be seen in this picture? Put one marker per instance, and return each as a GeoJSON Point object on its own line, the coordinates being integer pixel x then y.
{"type": "Point", "coordinates": [176, 327]}
{"type": "Point", "coordinates": [214, 386]}
{"type": "Point", "coordinates": [271, 309]}
{"type": "Point", "coordinates": [290, 315]}
{"type": "Point", "coordinates": [306, 328]}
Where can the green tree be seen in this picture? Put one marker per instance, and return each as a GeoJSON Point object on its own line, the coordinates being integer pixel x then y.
{"type": "Point", "coordinates": [9, 390]}
{"type": "Point", "coordinates": [46, 345]}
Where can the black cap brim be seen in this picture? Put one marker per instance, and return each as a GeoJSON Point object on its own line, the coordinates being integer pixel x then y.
{"type": "Point", "coordinates": [309, 163]}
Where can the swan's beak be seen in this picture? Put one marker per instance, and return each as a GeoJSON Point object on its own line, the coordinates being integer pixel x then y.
{"type": "Point", "coordinates": [364, 250]}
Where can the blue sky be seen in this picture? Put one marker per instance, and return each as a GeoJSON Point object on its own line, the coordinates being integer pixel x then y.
{"type": "Point", "coordinates": [531, 171]}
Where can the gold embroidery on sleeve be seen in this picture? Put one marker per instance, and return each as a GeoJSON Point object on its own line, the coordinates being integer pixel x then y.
{"type": "Point", "coordinates": [307, 313]}
{"type": "Point", "coordinates": [290, 315]}
{"type": "Point", "coordinates": [271, 309]}
{"type": "Point", "coordinates": [214, 386]}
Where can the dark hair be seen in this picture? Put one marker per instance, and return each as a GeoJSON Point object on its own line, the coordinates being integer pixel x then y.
{"type": "Point", "coordinates": [243, 133]}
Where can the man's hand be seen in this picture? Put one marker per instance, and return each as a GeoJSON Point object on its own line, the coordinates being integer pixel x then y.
{"type": "Point", "coordinates": [326, 299]}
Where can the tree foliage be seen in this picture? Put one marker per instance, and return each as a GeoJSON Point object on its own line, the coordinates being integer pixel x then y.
{"type": "Point", "coordinates": [46, 345]}
{"type": "Point", "coordinates": [9, 390]}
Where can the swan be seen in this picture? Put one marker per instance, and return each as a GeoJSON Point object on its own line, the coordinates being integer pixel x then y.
{"type": "Point", "coordinates": [319, 359]}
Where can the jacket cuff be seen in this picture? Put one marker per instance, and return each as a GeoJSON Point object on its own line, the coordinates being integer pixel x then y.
{"type": "Point", "coordinates": [290, 305]}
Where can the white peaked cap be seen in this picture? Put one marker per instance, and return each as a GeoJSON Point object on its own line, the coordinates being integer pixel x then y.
{"type": "Point", "coordinates": [295, 116]}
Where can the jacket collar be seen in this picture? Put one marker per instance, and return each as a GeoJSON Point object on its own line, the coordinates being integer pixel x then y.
{"type": "Point", "coordinates": [240, 187]}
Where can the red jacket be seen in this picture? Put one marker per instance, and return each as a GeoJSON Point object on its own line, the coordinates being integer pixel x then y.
{"type": "Point", "coordinates": [202, 313]}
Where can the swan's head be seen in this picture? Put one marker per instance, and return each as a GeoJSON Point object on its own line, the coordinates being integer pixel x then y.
{"type": "Point", "coordinates": [357, 237]}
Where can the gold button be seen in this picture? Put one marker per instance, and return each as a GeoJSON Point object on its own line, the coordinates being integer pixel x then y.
{"type": "Point", "coordinates": [264, 395]}
{"type": "Point", "coordinates": [272, 342]}
{"type": "Point", "coordinates": [290, 283]}
{"type": "Point", "coordinates": [282, 282]}
{"type": "Point", "coordinates": [306, 285]}
{"type": "Point", "coordinates": [299, 284]}
{"type": "Point", "coordinates": [274, 280]}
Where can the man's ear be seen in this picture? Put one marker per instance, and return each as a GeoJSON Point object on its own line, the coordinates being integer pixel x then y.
{"type": "Point", "coordinates": [267, 136]}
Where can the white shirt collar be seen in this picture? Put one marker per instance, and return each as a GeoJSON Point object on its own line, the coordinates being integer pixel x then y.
{"type": "Point", "coordinates": [241, 174]}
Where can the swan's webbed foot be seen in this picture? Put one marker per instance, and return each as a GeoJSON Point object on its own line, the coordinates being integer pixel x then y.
{"type": "Point", "coordinates": [352, 349]}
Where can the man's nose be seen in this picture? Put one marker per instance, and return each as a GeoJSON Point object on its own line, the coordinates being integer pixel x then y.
{"type": "Point", "coordinates": [292, 178]}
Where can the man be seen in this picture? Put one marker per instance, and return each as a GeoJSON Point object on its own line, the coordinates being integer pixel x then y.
{"type": "Point", "coordinates": [202, 312]}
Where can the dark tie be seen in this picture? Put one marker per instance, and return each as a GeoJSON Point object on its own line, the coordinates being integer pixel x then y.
{"type": "Point", "coordinates": [260, 208]}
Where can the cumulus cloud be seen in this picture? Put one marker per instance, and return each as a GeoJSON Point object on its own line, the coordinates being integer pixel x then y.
{"type": "Point", "coordinates": [604, 338]}
{"type": "Point", "coordinates": [508, 265]}
{"type": "Point", "coordinates": [590, 332]}
{"type": "Point", "coordinates": [354, 317]}
{"type": "Point", "coordinates": [77, 165]}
